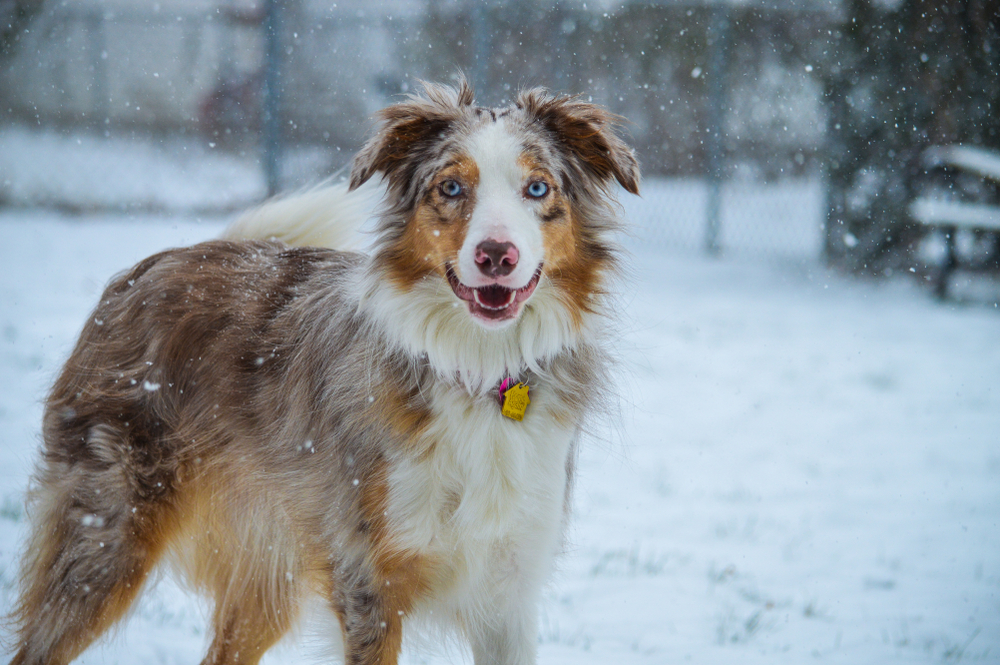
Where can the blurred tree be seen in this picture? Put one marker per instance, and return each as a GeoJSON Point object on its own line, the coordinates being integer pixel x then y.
{"type": "Point", "coordinates": [15, 15]}
{"type": "Point", "coordinates": [900, 79]}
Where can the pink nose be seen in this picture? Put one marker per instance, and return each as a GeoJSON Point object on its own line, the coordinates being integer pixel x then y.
{"type": "Point", "coordinates": [496, 259]}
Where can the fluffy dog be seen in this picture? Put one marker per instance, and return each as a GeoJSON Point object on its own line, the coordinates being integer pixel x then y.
{"type": "Point", "coordinates": [281, 420]}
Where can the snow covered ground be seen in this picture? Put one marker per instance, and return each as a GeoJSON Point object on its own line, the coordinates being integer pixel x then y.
{"type": "Point", "coordinates": [806, 468]}
{"type": "Point", "coordinates": [83, 172]}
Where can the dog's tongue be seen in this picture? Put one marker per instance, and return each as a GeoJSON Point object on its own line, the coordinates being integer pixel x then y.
{"type": "Point", "coordinates": [494, 296]}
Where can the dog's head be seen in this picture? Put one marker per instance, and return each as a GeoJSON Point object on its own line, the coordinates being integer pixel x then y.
{"type": "Point", "coordinates": [498, 203]}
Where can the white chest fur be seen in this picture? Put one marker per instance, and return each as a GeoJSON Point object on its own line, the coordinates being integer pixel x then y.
{"type": "Point", "coordinates": [486, 501]}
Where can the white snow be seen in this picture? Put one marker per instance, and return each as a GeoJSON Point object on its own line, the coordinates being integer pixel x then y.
{"type": "Point", "coordinates": [979, 160]}
{"type": "Point", "coordinates": [82, 172]}
{"type": "Point", "coordinates": [936, 212]}
{"type": "Point", "coordinates": [783, 218]}
{"type": "Point", "coordinates": [806, 467]}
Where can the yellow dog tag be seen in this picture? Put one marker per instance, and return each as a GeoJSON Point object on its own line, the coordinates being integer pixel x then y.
{"type": "Point", "coordinates": [516, 402]}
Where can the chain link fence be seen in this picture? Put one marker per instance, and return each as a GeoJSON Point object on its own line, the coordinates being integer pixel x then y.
{"type": "Point", "coordinates": [166, 106]}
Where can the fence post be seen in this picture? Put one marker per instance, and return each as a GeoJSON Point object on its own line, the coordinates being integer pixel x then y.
{"type": "Point", "coordinates": [271, 101]}
{"type": "Point", "coordinates": [480, 48]}
{"type": "Point", "coordinates": [100, 111]}
{"type": "Point", "coordinates": [715, 121]}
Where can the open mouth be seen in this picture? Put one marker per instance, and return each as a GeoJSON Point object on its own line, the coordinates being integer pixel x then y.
{"type": "Point", "coordinates": [493, 302]}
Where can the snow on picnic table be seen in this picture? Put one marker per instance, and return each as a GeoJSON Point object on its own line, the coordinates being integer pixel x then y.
{"type": "Point", "coordinates": [806, 468]}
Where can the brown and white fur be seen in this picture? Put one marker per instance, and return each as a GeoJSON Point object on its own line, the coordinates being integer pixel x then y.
{"type": "Point", "coordinates": [282, 421]}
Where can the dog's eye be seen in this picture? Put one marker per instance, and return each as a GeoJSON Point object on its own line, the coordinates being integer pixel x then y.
{"type": "Point", "coordinates": [537, 189]}
{"type": "Point", "coordinates": [450, 188]}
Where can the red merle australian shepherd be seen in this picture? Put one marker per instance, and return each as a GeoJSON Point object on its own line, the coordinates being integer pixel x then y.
{"type": "Point", "coordinates": [394, 432]}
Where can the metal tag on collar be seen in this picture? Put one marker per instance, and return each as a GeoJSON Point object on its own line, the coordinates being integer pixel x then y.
{"type": "Point", "coordinates": [514, 399]}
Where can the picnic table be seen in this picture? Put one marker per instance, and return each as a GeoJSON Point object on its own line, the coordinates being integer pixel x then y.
{"type": "Point", "coordinates": [950, 214]}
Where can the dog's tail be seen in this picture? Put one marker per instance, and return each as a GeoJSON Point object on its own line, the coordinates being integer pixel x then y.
{"type": "Point", "coordinates": [326, 215]}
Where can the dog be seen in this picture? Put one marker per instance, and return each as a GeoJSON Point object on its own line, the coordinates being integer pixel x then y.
{"type": "Point", "coordinates": [393, 431]}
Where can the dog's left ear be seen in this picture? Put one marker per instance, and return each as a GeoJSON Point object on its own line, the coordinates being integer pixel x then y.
{"type": "Point", "coordinates": [408, 129]}
{"type": "Point", "coordinates": [588, 132]}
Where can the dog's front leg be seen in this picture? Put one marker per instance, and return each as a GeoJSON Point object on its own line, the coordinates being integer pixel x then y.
{"type": "Point", "coordinates": [372, 629]}
{"type": "Point", "coordinates": [371, 599]}
{"type": "Point", "coordinates": [504, 629]}
{"type": "Point", "coordinates": [507, 638]}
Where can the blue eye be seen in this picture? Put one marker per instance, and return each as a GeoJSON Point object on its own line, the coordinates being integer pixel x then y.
{"type": "Point", "coordinates": [538, 189]}
{"type": "Point", "coordinates": [450, 188]}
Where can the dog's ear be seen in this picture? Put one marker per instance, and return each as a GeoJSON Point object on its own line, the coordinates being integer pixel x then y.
{"type": "Point", "coordinates": [408, 128]}
{"type": "Point", "coordinates": [588, 132]}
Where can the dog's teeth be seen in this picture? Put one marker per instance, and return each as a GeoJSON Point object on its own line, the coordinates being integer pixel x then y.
{"type": "Point", "coordinates": [475, 294]}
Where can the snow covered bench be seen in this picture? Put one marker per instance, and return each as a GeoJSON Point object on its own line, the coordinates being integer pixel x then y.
{"type": "Point", "coordinates": [952, 215]}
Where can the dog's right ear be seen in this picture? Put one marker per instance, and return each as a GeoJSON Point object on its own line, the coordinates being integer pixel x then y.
{"type": "Point", "coordinates": [407, 130]}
